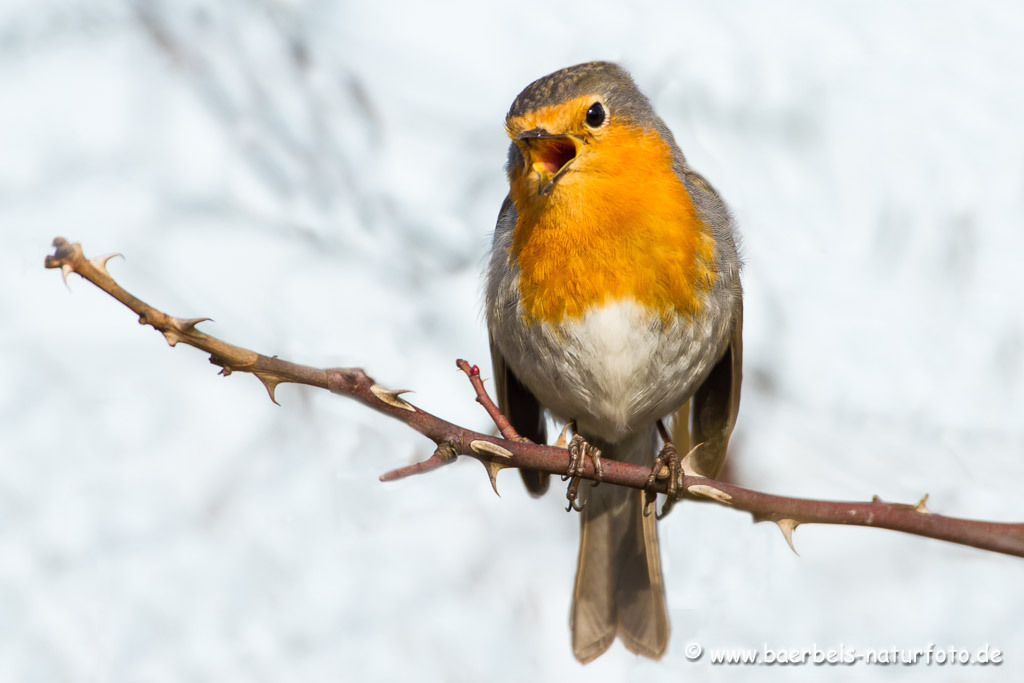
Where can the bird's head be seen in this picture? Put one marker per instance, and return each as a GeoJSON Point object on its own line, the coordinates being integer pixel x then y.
{"type": "Point", "coordinates": [581, 121]}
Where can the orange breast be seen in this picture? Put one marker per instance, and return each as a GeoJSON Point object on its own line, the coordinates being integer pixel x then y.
{"type": "Point", "coordinates": [619, 225]}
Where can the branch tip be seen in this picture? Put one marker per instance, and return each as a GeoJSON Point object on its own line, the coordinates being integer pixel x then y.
{"type": "Point", "coordinates": [500, 421]}
{"type": "Point", "coordinates": [431, 463]}
{"type": "Point", "coordinates": [443, 454]}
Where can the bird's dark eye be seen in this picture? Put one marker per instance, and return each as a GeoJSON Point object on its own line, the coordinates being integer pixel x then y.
{"type": "Point", "coordinates": [595, 115]}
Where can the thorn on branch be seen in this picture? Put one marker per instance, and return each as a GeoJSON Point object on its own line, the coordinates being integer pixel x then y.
{"type": "Point", "coordinates": [392, 397]}
{"type": "Point", "coordinates": [921, 507]}
{"type": "Point", "coordinates": [493, 467]}
{"type": "Point", "coordinates": [178, 330]}
{"type": "Point", "coordinates": [270, 382]}
{"type": "Point", "coordinates": [706, 491]}
{"type": "Point", "coordinates": [490, 448]}
{"type": "Point", "coordinates": [187, 325]}
{"type": "Point", "coordinates": [561, 442]}
{"type": "Point", "coordinates": [173, 337]}
{"type": "Point", "coordinates": [787, 526]}
{"type": "Point", "coordinates": [481, 447]}
{"type": "Point", "coordinates": [100, 262]}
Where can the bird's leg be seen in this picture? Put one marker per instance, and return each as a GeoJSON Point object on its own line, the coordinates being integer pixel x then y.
{"type": "Point", "coordinates": [579, 449]}
{"type": "Point", "coordinates": [666, 461]}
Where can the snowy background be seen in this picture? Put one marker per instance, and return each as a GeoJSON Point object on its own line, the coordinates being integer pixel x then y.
{"type": "Point", "coordinates": [322, 179]}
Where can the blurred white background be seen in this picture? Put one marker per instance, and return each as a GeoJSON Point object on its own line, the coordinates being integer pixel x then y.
{"type": "Point", "coordinates": [322, 179]}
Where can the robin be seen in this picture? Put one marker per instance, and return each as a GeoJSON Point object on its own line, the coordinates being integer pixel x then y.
{"type": "Point", "coordinates": [613, 301]}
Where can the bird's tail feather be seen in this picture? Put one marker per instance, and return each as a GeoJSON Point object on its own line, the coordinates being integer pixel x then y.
{"type": "Point", "coordinates": [619, 589]}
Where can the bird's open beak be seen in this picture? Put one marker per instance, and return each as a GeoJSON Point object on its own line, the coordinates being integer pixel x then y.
{"type": "Point", "coordinates": [547, 154]}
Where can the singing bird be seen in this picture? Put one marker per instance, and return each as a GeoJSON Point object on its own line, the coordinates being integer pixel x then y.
{"type": "Point", "coordinates": [613, 300]}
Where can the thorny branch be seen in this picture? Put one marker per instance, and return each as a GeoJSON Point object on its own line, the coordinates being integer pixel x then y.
{"type": "Point", "coordinates": [512, 450]}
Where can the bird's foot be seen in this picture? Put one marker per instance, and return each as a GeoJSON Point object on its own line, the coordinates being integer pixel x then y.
{"type": "Point", "coordinates": [667, 464]}
{"type": "Point", "coordinates": [580, 450]}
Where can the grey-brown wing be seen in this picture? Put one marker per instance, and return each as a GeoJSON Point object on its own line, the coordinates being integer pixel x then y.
{"type": "Point", "coordinates": [524, 413]}
{"type": "Point", "coordinates": [717, 402]}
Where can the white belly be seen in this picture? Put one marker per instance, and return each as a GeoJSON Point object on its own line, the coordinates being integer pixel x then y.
{"type": "Point", "coordinates": [619, 367]}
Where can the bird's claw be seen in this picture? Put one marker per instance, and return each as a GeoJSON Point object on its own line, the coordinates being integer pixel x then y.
{"type": "Point", "coordinates": [579, 450]}
{"type": "Point", "coordinates": [571, 494]}
{"type": "Point", "coordinates": [666, 464]}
